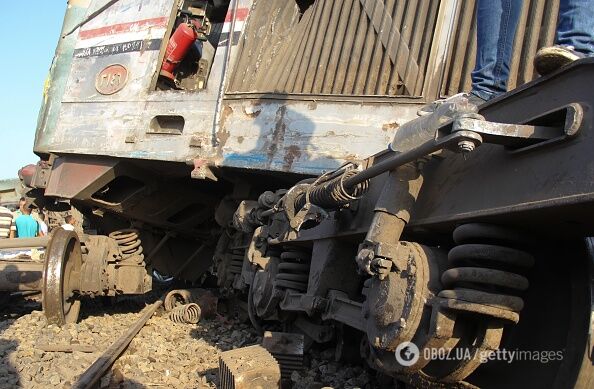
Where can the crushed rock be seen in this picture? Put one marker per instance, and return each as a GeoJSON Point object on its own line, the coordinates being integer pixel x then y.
{"type": "Point", "coordinates": [163, 354]}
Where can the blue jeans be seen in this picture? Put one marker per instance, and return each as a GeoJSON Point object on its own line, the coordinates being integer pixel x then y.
{"type": "Point", "coordinates": [497, 21]}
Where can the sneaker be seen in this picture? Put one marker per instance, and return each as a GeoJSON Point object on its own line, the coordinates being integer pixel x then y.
{"type": "Point", "coordinates": [549, 59]}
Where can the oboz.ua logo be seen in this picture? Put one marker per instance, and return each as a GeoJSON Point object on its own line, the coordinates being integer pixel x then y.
{"type": "Point", "coordinates": [407, 354]}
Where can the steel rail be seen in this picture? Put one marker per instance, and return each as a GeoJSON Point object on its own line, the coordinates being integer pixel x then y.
{"type": "Point", "coordinates": [94, 373]}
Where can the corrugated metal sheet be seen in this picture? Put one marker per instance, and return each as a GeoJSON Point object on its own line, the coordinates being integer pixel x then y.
{"type": "Point", "coordinates": [348, 47]}
{"type": "Point", "coordinates": [536, 29]}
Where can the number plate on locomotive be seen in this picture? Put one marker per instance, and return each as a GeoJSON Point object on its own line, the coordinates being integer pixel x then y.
{"type": "Point", "coordinates": [111, 80]}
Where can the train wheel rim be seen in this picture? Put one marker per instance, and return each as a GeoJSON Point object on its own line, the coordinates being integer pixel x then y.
{"type": "Point", "coordinates": [62, 278]}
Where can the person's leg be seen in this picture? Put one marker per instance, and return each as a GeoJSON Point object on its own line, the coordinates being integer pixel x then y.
{"type": "Point", "coordinates": [575, 37]}
{"type": "Point", "coordinates": [576, 25]}
{"type": "Point", "coordinates": [497, 21]}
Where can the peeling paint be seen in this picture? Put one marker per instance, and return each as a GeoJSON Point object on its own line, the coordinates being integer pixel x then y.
{"type": "Point", "coordinates": [291, 154]}
{"type": "Point", "coordinates": [391, 126]}
{"type": "Point", "coordinates": [227, 111]}
{"type": "Point", "coordinates": [222, 137]}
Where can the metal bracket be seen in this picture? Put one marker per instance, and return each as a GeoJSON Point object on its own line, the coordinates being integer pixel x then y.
{"type": "Point", "coordinates": [378, 258]}
{"type": "Point", "coordinates": [523, 137]}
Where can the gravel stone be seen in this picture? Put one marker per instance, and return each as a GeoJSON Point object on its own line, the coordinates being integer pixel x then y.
{"type": "Point", "coordinates": [163, 354]}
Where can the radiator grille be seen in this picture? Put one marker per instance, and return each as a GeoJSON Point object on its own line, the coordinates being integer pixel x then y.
{"type": "Point", "coordinates": [340, 47]}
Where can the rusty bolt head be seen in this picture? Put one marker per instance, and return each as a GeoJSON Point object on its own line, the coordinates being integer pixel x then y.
{"type": "Point", "coordinates": [466, 146]}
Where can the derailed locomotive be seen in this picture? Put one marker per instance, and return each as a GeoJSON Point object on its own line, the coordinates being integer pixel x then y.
{"type": "Point", "coordinates": [258, 154]}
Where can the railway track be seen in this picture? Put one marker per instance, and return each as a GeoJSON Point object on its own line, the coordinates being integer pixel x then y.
{"type": "Point", "coordinates": [133, 343]}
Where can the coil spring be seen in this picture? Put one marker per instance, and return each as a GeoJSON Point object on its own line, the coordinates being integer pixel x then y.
{"type": "Point", "coordinates": [332, 193]}
{"type": "Point", "coordinates": [128, 241]}
{"type": "Point", "coordinates": [236, 261]}
{"type": "Point", "coordinates": [186, 314]}
{"type": "Point", "coordinates": [485, 277]}
{"type": "Point", "coordinates": [293, 271]}
{"type": "Point", "coordinates": [177, 297]}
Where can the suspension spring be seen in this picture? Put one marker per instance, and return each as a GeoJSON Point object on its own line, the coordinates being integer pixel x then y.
{"type": "Point", "coordinates": [333, 193]}
{"type": "Point", "coordinates": [188, 314]}
{"type": "Point", "coordinates": [128, 241]}
{"type": "Point", "coordinates": [293, 271]}
{"type": "Point", "coordinates": [178, 297]}
{"type": "Point", "coordinates": [236, 261]}
{"type": "Point", "coordinates": [486, 273]}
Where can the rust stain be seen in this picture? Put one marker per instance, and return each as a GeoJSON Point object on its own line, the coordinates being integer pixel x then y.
{"type": "Point", "coordinates": [390, 126]}
{"type": "Point", "coordinates": [240, 139]}
{"type": "Point", "coordinates": [227, 111]}
{"type": "Point", "coordinates": [278, 134]}
{"type": "Point", "coordinates": [312, 106]}
{"type": "Point", "coordinates": [223, 135]}
{"type": "Point", "coordinates": [291, 154]}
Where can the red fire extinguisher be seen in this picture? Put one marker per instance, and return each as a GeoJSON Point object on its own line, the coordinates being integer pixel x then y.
{"type": "Point", "coordinates": [177, 48]}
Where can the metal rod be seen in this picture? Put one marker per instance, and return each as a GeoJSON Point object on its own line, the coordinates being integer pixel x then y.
{"type": "Point", "coordinates": [94, 373]}
{"type": "Point", "coordinates": [402, 158]}
{"type": "Point", "coordinates": [393, 162]}
{"type": "Point", "coordinates": [21, 276]}
{"type": "Point", "coordinates": [21, 243]}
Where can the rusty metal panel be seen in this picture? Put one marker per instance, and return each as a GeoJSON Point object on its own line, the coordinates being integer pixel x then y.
{"type": "Point", "coordinates": [71, 176]}
{"type": "Point", "coordinates": [227, 130]}
{"type": "Point", "coordinates": [536, 29]}
{"type": "Point", "coordinates": [352, 47]}
{"type": "Point", "coordinates": [305, 136]}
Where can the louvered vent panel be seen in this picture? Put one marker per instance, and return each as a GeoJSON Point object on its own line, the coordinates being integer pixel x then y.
{"type": "Point", "coordinates": [339, 47]}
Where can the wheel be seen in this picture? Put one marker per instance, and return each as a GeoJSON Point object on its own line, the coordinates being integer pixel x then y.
{"type": "Point", "coordinates": [63, 263]}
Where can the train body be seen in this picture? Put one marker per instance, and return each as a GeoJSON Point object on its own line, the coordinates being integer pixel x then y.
{"type": "Point", "coordinates": [260, 155]}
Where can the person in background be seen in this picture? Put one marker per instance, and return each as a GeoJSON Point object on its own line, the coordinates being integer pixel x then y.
{"type": "Point", "coordinates": [497, 21]}
{"type": "Point", "coordinates": [26, 225]}
{"type": "Point", "coordinates": [7, 227]}
{"type": "Point", "coordinates": [68, 223]}
{"type": "Point", "coordinates": [19, 212]}
{"type": "Point", "coordinates": [43, 229]}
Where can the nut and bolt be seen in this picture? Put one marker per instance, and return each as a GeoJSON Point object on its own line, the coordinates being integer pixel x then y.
{"type": "Point", "coordinates": [466, 146]}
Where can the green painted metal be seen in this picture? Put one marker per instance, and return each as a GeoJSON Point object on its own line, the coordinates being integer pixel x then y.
{"type": "Point", "coordinates": [55, 83]}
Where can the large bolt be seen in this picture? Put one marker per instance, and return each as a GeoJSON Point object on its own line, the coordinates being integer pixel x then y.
{"type": "Point", "coordinates": [466, 146]}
